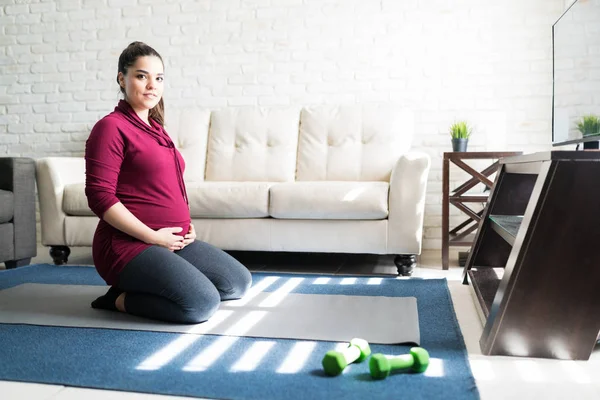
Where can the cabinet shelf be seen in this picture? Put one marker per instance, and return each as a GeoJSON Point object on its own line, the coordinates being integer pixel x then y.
{"type": "Point", "coordinates": [545, 244]}
{"type": "Point", "coordinates": [507, 226]}
{"type": "Point", "coordinates": [487, 282]}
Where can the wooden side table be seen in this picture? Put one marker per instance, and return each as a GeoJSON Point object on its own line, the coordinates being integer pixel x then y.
{"type": "Point", "coordinates": [463, 234]}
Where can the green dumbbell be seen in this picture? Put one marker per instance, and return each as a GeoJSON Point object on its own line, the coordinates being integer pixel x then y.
{"type": "Point", "coordinates": [335, 362]}
{"type": "Point", "coordinates": [381, 366]}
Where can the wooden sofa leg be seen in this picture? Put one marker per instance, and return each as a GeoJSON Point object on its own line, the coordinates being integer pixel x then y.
{"type": "Point", "coordinates": [17, 263]}
{"type": "Point", "coordinates": [405, 264]}
{"type": "Point", "coordinates": [60, 254]}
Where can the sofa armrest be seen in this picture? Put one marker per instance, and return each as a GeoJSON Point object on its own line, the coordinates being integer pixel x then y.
{"type": "Point", "coordinates": [53, 173]}
{"type": "Point", "coordinates": [18, 176]}
{"type": "Point", "coordinates": [408, 186]}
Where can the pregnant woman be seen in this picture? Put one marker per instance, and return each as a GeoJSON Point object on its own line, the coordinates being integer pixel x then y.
{"type": "Point", "coordinates": [145, 245]}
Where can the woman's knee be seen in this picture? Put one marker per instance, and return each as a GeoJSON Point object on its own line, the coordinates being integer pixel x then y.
{"type": "Point", "coordinates": [230, 276]}
{"type": "Point", "coordinates": [238, 283]}
{"type": "Point", "coordinates": [242, 282]}
{"type": "Point", "coordinates": [201, 305]}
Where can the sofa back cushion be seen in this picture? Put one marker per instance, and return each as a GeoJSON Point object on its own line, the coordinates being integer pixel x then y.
{"type": "Point", "coordinates": [188, 128]}
{"type": "Point", "coordinates": [352, 143]}
{"type": "Point", "coordinates": [252, 144]}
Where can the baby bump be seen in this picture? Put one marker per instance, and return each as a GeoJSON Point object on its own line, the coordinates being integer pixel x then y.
{"type": "Point", "coordinates": [185, 226]}
{"type": "Point", "coordinates": [109, 239]}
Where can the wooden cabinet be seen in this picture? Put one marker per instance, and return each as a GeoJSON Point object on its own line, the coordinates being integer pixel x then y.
{"type": "Point", "coordinates": [535, 261]}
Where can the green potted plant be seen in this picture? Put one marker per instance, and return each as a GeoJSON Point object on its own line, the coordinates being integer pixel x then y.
{"type": "Point", "coordinates": [589, 125]}
{"type": "Point", "coordinates": [460, 132]}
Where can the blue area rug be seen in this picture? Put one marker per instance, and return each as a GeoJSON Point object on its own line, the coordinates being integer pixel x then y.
{"type": "Point", "coordinates": [221, 367]}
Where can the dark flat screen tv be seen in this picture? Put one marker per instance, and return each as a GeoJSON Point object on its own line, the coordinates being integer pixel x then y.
{"type": "Point", "coordinates": [576, 75]}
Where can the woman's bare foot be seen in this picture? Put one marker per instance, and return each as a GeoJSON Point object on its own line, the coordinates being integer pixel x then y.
{"type": "Point", "coordinates": [120, 302]}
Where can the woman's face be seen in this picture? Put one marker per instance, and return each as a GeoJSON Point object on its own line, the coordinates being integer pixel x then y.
{"type": "Point", "coordinates": [143, 83]}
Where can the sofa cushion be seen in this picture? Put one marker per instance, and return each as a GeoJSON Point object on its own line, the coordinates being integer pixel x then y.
{"type": "Point", "coordinates": [352, 143]}
{"type": "Point", "coordinates": [252, 144]}
{"type": "Point", "coordinates": [7, 206]}
{"type": "Point", "coordinates": [207, 199]}
{"type": "Point", "coordinates": [75, 201]}
{"type": "Point", "coordinates": [329, 200]}
{"type": "Point", "coordinates": [188, 128]}
{"type": "Point", "coordinates": [229, 199]}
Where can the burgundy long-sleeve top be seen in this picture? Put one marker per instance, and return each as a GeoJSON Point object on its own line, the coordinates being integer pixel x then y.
{"type": "Point", "coordinates": [138, 165]}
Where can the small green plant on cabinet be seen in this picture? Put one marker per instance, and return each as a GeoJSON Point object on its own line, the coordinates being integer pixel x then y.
{"type": "Point", "coordinates": [589, 125]}
{"type": "Point", "coordinates": [460, 130]}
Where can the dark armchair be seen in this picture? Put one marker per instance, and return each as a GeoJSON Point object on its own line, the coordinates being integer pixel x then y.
{"type": "Point", "coordinates": [17, 211]}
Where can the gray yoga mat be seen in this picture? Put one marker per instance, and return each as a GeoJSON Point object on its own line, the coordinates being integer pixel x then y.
{"type": "Point", "coordinates": [377, 319]}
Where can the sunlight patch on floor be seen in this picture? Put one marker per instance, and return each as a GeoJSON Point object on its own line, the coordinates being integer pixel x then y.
{"type": "Point", "coordinates": [217, 318]}
{"type": "Point", "coordinates": [280, 293]}
{"type": "Point", "coordinates": [296, 358]}
{"type": "Point", "coordinates": [211, 354]}
{"type": "Point", "coordinates": [341, 346]}
{"type": "Point", "coordinates": [244, 324]}
{"type": "Point", "coordinates": [482, 370]}
{"type": "Point", "coordinates": [254, 291]}
{"type": "Point", "coordinates": [253, 356]}
{"type": "Point", "coordinates": [576, 372]}
{"type": "Point", "coordinates": [167, 353]}
{"type": "Point", "coordinates": [529, 370]}
{"type": "Point", "coordinates": [436, 368]}
{"type": "Point", "coordinates": [173, 349]}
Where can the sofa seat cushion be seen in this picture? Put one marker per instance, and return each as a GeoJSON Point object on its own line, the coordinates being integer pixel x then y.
{"type": "Point", "coordinates": [207, 199]}
{"type": "Point", "coordinates": [329, 200]}
{"type": "Point", "coordinates": [7, 206]}
{"type": "Point", "coordinates": [75, 201]}
{"type": "Point", "coordinates": [229, 199]}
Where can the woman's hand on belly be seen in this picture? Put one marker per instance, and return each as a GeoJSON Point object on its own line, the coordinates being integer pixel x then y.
{"type": "Point", "coordinates": [190, 237]}
{"type": "Point", "coordinates": [167, 238]}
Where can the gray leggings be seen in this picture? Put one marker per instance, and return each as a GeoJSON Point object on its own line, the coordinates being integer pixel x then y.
{"type": "Point", "coordinates": [185, 286]}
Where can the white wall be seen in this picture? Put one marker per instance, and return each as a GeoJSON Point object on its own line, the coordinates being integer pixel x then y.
{"type": "Point", "coordinates": [482, 60]}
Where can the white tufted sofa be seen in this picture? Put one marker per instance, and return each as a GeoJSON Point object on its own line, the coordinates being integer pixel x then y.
{"type": "Point", "coordinates": [316, 179]}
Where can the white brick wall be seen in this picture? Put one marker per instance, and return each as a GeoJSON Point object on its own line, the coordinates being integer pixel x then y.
{"type": "Point", "coordinates": [483, 60]}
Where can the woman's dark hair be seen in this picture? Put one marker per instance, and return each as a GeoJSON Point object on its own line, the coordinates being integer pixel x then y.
{"type": "Point", "coordinates": [127, 58]}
